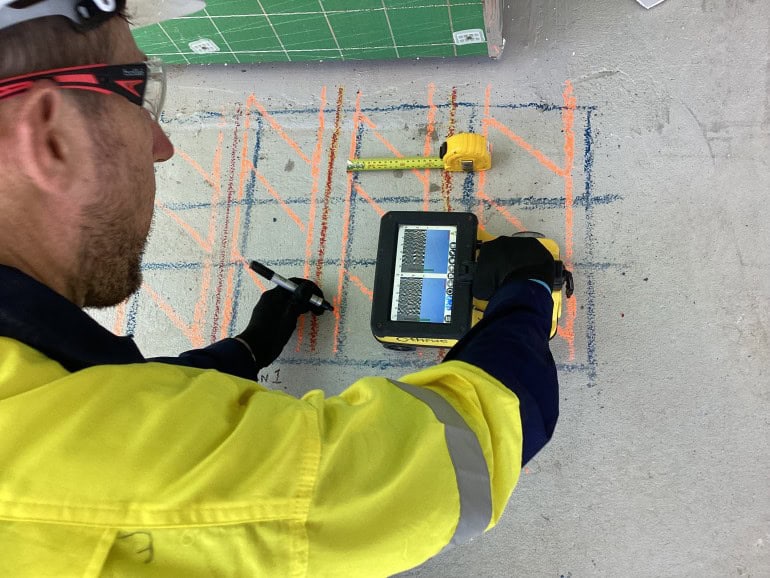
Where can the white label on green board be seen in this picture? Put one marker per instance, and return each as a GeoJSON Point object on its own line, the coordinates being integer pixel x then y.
{"type": "Point", "coordinates": [203, 46]}
{"type": "Point", "coordinates": [472, 36]}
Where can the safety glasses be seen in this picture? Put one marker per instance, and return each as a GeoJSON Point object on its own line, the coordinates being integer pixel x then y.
{"type": "Point", "coordinates": [143, 83]}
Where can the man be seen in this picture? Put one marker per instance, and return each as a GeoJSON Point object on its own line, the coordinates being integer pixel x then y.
{"type": "Point", "coordinates": [115, 465]}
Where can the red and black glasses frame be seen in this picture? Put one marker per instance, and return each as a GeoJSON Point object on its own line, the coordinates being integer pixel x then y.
{"type": "Point", "coordinates": [143, 83]}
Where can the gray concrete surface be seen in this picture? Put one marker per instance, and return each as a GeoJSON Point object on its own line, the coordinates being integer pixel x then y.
{"type": "Point", "coordinates": [660, 462]}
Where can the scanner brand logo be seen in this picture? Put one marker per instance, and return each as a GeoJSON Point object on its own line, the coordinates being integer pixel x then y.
{"type": "Point", "coordinates": [427, 340]}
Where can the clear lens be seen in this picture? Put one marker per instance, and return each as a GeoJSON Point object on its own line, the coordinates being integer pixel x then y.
{"type": "Point", "coordinates": [155, 91]}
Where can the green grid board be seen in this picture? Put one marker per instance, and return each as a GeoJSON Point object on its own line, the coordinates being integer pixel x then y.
{"type": "Point", "coordinates": [241, 31]}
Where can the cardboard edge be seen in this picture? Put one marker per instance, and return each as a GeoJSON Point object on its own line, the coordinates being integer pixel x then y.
{"type": "Point", "coordinates": [493, 24]}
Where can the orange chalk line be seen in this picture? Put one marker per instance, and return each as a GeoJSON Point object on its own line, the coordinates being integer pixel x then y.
{"type": "Point", "coordinates": [315, 172]}
{"type": "Point", "coordinates": [213, 178]}
{"type": "Point", "coordinates": [567, 327]}
{"type": "Point", "coordinates": [247, 166]}
{"type": "Point", "coordinates": [423, 179]}
{"type": "Point", "coordinates": [120, 319]}
{"type": "Point", "coordinates": [568, 123]}
{"type": "Point", "coordinates": [252, 101]}
{"type": "Point", "coordinates": [482, 180]}
{"type": "Point", "coordinates": [377, 208]}
{"type": "Point", "coordinates": [426, 149]}
{"type": "Point", "coordinates": [360, 284]}
{"type": "Point", "coordinates": [294, 217]}
{"type": "Point", "coordinates": [199, 169]}
{"type": "Point", "coordinates": [254, 277]}
{"type": "Point", "coordinates": [541, 158]}
{"type": "Point", "coordinates": [481, 193]}
{"type": "Point", "coordinates": [192, 333]}
{"type": "Point", "coordinates": [202, 243]}
{"type": "Point", "coordinates": [337, 300]}
{"type": "Point", "coordinates": [514, 221]}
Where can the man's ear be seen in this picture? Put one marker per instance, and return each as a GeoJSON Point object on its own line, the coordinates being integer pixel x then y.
{"type": "Point", "coordinates": [48, 146]}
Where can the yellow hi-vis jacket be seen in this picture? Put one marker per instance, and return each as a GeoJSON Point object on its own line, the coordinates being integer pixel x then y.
{"type": "Point", "coordinates": [160, 470]}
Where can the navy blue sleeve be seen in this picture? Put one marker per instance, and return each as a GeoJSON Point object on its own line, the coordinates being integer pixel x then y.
{"type": "Point", "coordinates": [228, 356]}
{"type": "Point", "coordinates": [511, 344]}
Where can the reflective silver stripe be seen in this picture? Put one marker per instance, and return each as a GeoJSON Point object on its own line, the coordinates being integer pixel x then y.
{"type": "Point", "coordinates": [471, 468]}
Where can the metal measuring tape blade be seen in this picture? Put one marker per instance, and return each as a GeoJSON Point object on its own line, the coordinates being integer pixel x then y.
{"type": "Point", "coordinates": [466, 152]}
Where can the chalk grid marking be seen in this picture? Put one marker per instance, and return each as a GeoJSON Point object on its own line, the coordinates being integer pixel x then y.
{"type": "Point", "coordinates": [241, 193]}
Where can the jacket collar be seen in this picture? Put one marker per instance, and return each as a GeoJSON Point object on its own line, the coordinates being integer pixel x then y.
{"type": "Point", "coordinates": [39, 317]}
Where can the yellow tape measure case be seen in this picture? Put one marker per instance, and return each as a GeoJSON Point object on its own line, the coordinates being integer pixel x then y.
{"type": "Point", "coordinates": [422, 292]}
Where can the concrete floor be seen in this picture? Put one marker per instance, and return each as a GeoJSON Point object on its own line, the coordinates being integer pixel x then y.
{"type": "Point", "coordinates": [660, 462]}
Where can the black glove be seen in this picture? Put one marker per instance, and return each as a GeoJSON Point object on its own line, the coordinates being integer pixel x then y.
{"type": "Point", "coordinates": [506, 258]}
{"type": "Point", "coordinates": [274, 319]}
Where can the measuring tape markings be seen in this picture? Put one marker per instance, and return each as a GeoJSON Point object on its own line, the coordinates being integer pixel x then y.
{"type": "Point", "coordinates": [401, 163]}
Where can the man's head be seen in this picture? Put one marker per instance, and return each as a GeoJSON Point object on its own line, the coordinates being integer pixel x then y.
{"type": "Point", "coordinates": [77, 195]}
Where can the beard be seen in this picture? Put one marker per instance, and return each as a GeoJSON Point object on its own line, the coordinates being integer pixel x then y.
{"type": "Point", "coordinates": [111, 255]}
{"type": "Point", "coordinates": [115, 225]}
{"type": "Point", "coordinates": [111, 267]}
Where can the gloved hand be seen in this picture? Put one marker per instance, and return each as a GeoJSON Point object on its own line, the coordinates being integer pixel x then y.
{"type": "Point", "coordinates": [274, 319]}
{"type": "Point", "coordinates": [506, 258]}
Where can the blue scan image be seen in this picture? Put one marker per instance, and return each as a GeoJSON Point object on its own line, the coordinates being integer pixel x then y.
{"type": "Point", "coordinates": [437, 251]}
{"type": "Point", "coordinates": [432, 302]}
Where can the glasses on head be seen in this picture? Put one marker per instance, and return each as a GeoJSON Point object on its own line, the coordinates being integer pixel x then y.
{"type": "Point", "coordinates": [143, 83]}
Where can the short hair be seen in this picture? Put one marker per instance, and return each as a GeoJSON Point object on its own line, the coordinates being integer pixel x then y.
{"type": "Point", "coordinates": [53, 42]}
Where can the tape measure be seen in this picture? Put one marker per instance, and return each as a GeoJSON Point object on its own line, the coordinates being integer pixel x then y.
{"type": "Point", "coordinates": [397, 164]}
{"type": "Point", "coordinates": [464, 151]}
